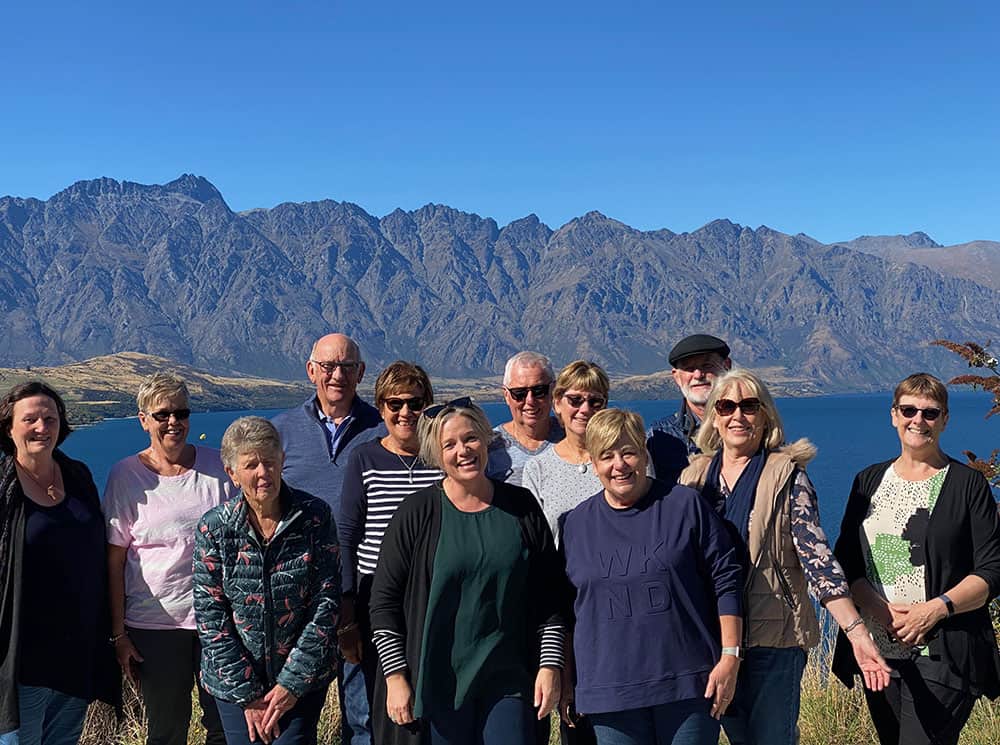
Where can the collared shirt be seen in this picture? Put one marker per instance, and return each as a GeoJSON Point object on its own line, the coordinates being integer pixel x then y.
{"type": "Point", "coordinates": [670, 441]}
{"type": "Point", "coordinates": [334, 431]}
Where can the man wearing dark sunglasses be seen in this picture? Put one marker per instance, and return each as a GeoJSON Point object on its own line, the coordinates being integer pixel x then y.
{"type": "Point", "coordinates": [697, 360]}
{"type": "Point", "coordinates": [318, 437]}
{"type": "Point", "coordinates": [527, 389]}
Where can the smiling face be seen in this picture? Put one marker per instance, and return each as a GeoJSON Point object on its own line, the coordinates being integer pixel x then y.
{"type": "Point", "coordinates": [34, 427]}
{"type": "Point", "coordinates": [575, 407]}
{"type": "Point", "coordinates": [532, 413]}
{"type": "Point", "coordinates": [463, 451]}
{"type": "Point", "coordinates": [171, 435]}
{"type": "Point", "coordinates": [916, 433]}
{"type": "Point", "coordinates": [335, 388]}
{"type": "Point", "coordinates": [622, 470]}
{"type": "Point", "coordinates": [258, 474]}
{"type": "Point", "coordinates": [695, 376]}
{"type": "Point", "coordinates": [402, 424]}
{"type": "Point", "coordinates": [740, 432]}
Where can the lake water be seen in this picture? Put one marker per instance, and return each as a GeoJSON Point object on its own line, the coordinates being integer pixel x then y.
{"type": "Point", "coordinates": [851, 432]}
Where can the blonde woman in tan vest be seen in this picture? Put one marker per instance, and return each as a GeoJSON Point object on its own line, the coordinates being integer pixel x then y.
{"type": "Point", "coordinates": [759, 484]}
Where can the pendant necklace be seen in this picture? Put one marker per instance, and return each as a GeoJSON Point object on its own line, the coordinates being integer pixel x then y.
{"type": "Point", "coordinates": [409, 468]}
{"type": "Point", "coordinates": [49, 490]}
{"type": "Point", "coordinates": [582, 468]}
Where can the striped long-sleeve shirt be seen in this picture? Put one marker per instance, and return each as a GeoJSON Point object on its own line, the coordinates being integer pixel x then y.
{"type": "Point", "coordinates": [376, 481]}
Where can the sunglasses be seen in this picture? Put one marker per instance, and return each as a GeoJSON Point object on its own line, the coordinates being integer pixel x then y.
{"type": "Point", "coordinates": [576, 400]}
{"type": "Point", "coordinates": [164, 416]}
{"type": "Point", "coordinates": [396, 404]}
{"type": "Point", "coordinates": [329, 368]}
{"type": "Point", "coordinates": [725, 406]}
{"type": "Point", "coordinates": [908, 412]}
{"type": "Point", "coordinates": [537, 391]}
{"type": "Point", "coordinates": [456, 403]}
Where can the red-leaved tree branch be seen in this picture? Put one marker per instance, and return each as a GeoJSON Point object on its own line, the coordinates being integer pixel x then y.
{"type": "Point", "coordinates": [979, 356]}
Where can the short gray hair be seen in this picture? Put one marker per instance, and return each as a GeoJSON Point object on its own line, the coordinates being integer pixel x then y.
{"type": "Point", "coordinates": [430, 431]}
{"type": "Point", "coordinates": [160, 386]}
{"type": "Point", "coordinates": [247, 434]}
{"type": "Point", "coordinates": [528, 359]}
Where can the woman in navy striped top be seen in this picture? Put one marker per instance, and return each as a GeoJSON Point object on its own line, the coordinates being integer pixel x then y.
{"type": "Point", "coordinates": [378, 476]}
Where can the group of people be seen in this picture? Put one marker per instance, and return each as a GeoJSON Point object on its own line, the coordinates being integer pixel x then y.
{"type": "Point", "coordinates": [459, 583]}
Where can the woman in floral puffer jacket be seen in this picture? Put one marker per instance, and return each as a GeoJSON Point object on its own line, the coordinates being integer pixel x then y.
{"type": "Point", "coordinates": [266, 596]}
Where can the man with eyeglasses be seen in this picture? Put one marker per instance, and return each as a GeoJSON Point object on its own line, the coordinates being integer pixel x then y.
{"type": "Point", "coordinates": [697, 361]}
{"type": "Point", "coordinates": [318, 437]}
{"type": "Point", "coordinates": [527, 389]}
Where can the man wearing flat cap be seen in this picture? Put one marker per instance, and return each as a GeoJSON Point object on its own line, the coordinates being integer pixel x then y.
{"type": "Point", "coordinates": [697, 361]}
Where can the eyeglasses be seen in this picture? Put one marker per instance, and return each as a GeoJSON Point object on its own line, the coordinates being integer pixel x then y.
{"type": "Point", "coordinates": [396, 404]}
{"type": "Point", "coordinates": [164, 415]}
{"type": "Point", "coordinates": [725, 406]}
{"type": "Point", "coordinates": [537, 391]}
{"type": "Point", "coordinates": [576, 400]}
{"type": "Point", "coordinates": [348, 368]}
{"type": "Point", "coordinates": [456, 403]}
{"type": "Point", "coordinates": [908, 412]}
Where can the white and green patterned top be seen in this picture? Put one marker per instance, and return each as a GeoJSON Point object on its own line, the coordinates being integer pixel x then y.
{"type": "Point", "coordinates": [894, 532]}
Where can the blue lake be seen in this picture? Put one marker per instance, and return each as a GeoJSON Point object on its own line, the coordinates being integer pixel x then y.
{"type": "Point", "coordinates": [851, 431]}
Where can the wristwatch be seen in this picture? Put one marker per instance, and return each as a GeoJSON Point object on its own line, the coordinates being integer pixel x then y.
{"type": "Point", "coordinates": [736, 652]}
{"type": "Point", "coordinates": [947, 604]}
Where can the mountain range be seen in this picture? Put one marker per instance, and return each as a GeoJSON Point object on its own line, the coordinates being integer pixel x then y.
{"type": "Point", "coordinates": [106, 266]}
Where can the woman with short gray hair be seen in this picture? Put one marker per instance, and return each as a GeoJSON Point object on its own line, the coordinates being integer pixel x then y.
{"type": "Point", "coordinates": [266, 596]}
{"type": "Point", "coordinates": [152, 503]}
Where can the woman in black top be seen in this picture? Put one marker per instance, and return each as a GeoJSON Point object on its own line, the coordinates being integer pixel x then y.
{"type": "Point", "coordinates": [920, 545]}
{"type": "Point", "coordinates": [54, 619]}
{"type": "Point", "coordinates": [464, 606]}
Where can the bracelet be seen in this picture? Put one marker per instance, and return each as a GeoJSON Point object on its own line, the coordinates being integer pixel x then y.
{"type": "Point", "coordinates": [115, 638]}
{"type": "Point", "coordinates": [346, 628]}
{"type": "Point", "coordinates": [853, 625]}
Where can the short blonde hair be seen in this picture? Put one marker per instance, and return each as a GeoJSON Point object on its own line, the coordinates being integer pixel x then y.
{"type": "Point", "coordinates": [248, 434]}
{"type": "Point", "coordinates": [584, 376]}
{"type": "Point", "coordinates": [708, 439]}
{"type": "Point", "coordinates": [429, 430]}
{"type": "Point", "coordinates": [924, 385]}
{"type": "Point", "coordinates": [160, 386]}
{"type": "Point", "coordinates": [608, 426]}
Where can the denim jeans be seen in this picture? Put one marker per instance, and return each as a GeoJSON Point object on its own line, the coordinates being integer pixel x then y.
{"type": "Point", "coordinates": [765, 709]}
{"type": "Point", "coordinates": [686, 722]}
{"type": "Point", "coordinates": [298, 726]}
{"type": "Point", "coordinates": [356, 683]}
{"type": "Point", "coordinates": [48, 717]}
{"type": "Point", "coordinates": [506, 721]}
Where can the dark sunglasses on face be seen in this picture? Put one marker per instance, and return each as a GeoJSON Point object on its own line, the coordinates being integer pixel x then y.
{"type": "Point", "coordinates": [576, 401]}
{"type": "Point", "coordinates": [537, 391]}
{"type": "Point", "coordinates": [163, 416]}
{"type": "Point", "coordinates": [396, 404]}
{"type": "Point", "coordinates": [456, 403]}
{"type": "Point", "coordinates": [348, 368]}
{"type": "Point", "coordinates": [725, 406]}
{"type": "Point", "coordinates": [908, 412]}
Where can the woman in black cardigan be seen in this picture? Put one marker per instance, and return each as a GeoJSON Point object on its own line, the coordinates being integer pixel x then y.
{"type": "Point", "coordinates": [920, 544]}
{"type": "Point", "coordinates": [465, 601]}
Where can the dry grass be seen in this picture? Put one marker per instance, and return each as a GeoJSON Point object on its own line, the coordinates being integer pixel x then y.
{"type": "Point", "coordinates": [830, 715]}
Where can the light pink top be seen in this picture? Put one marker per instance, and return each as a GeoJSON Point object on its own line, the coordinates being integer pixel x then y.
{"type": "Point", "coordinates": [155, 517]}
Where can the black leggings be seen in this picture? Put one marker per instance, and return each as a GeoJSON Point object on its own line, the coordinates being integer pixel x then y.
{"type": "Point", "coordinates": [915, 711]}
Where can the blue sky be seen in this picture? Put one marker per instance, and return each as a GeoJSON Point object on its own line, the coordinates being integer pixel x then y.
{"type": "Point", "coordinates": [833, 119]}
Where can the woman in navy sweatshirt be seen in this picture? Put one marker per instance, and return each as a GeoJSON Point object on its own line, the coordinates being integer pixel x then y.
{"type": "Point", "coordinates": [658, 616]}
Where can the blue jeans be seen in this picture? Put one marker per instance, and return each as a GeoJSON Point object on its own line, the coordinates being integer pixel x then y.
{"type": "Point", "coordinates": [355, 710]}
{"type": "Point", "coordinates": [505, 721]}
{"type": "Point", "coordinates": [765, 709]}
{"type": "Point", "coordinates": [48, 717]}
{"type": "Point", "coordinates": [298, 726]}
{"type": "Point", "coordinates": [686, 722]}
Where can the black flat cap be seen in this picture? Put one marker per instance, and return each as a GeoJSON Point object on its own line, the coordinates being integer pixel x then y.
{"type": "Point", "coordinates": [698, 344]}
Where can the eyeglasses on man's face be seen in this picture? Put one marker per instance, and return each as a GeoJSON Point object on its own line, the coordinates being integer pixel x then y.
{"type": "Point", "coordinates": [348, 367]}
